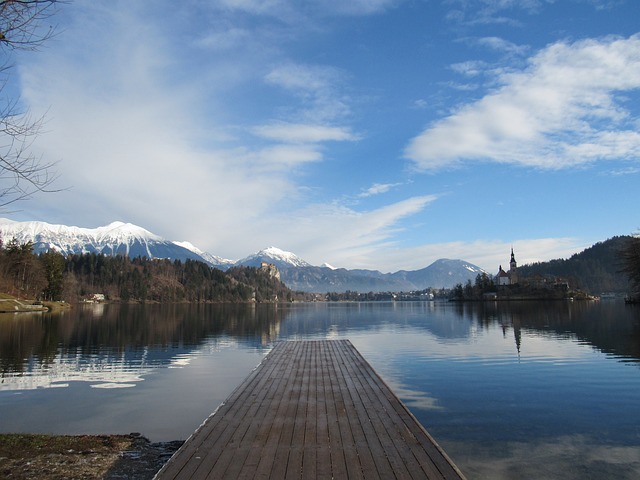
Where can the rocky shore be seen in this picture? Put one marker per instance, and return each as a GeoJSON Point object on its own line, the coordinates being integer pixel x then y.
{"type": "Point", "coordinates": [57, 457]}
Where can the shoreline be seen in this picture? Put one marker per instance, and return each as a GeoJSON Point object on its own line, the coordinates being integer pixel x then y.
{"type": "Point", "coordinates": [53, 457]}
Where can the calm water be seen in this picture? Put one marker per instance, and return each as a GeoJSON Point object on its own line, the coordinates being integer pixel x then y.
{"type": "Point", "coordinates": [512, 390]}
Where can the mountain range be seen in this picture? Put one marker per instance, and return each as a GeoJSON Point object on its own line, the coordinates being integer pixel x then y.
{"type": "Point", "coordinates": [120, 238]}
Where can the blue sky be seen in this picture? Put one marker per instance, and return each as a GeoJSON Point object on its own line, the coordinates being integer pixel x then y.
{"type": "Point", "coordinates": [378, 134]}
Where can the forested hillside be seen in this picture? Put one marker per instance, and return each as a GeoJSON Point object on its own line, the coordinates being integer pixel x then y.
{"type": "Point", "coordinates": [50, 276]}
{"type": "Point", "coordinates": [595, 270]}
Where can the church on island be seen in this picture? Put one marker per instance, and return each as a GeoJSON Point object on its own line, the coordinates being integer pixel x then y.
{"type": "Point", "coordinates": [510, 277]}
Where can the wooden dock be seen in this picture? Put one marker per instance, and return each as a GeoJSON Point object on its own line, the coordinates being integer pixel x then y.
{"type": "Point", "coordinates": [311, 410]}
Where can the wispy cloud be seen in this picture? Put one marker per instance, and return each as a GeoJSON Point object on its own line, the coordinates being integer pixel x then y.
{"type": "Point", "coordinates": [624, 171]}
{"type": "Point", "coordinates": [285, 8]}
{"type": "Point", "coordinates": [257, 7]}
{"type": "Point", "coordinates": [563, 110]}
{"type": "Point", "coordinates": [502, 45]}
{"type": "Point", "coordinates": [470, 68]}
{"type": "Point", "coordinates": [137, 144]}
{"type": "Point", "coordinates": [377, 189]}
{"type": "Point", "coordinates": [344, 236]}
{"type": "Point", "coordinates": [303, 133]}
{"type": "Point", "coordinates": [317, 87]}
{"type": "Point", "coordinates": [482, 12]}
{"type": "Point", "coordinates": [358, 7]}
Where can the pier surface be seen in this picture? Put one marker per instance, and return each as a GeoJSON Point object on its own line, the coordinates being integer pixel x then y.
{"type": "Point", "coordinates": [311, 410]}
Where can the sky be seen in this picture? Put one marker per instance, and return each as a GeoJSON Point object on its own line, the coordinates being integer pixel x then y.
{"type": "Point", "coordinates": [379, 134]}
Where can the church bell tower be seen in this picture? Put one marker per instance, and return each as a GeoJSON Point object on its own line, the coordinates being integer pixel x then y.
{"type": "Point", "coordinates": [513, 269]}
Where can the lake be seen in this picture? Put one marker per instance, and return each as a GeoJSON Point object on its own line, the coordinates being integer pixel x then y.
{"type": "Point", "coordinates": [509, 389]}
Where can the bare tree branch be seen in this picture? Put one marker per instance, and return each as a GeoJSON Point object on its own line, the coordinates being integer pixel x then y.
{"type": "Point", "coordinates": [21, 22]}
{"type": "Point", "coordinates": [22, 27]}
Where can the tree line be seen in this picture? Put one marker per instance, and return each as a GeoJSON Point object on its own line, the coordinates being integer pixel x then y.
{"type": "Point", "coordinates": [599, 268]}
{"type": "Point", "coordinates": [52, 277]}
{"type": "Point", "coordinates": [631, 265]}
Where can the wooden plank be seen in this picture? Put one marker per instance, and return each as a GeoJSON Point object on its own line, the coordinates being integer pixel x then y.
{"type": "Point", "coordinates": [218, 429]}
{"type": "Point", "coordinates": [311, 410]}
{"type": "Point", "coordinates": [259, 459]}
{"type": "Point", "coordinates": [344, 444]}
{"type": "Point", "coordinates": [374, 461]}
{"type": "Point", "coordinates": [378, 418]}
{"type": "Point", "coordinates": [424, 448]}
{"type": "Point", "coordinates": [278, 424]}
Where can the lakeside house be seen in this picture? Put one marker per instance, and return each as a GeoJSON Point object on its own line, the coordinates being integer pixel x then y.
{"type": "Point", "coordinates": [96, 298]}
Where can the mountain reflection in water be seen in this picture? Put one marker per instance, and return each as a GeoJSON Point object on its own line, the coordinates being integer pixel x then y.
{"type": "Point", "coordinates": [511, 390]}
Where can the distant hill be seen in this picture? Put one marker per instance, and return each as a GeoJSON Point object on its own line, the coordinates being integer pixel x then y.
{"type": "Point", "coordinates": [299, 275]}
{"type": "Point", "coordinates": [595, 270]}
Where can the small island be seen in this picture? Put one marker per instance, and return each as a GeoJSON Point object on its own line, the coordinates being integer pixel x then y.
{"type": "Point", "coordinates": [511, 285]}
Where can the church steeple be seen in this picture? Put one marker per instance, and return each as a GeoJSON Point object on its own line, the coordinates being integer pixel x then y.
{"type": "Point", "coordinates": [513, 269]}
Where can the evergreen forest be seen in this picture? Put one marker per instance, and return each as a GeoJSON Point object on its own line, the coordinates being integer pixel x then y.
{"type": "Point", "coordinates": [597, 269]}
{"type": "Point", "coordinates": [52, 277]}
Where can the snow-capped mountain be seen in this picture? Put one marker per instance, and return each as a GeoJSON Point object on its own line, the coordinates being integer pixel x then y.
{"type": "Point", "coordinates": [117, 238]}
{"type": "Point", "coordinates": [120, 238]}
{"type": "Point", "coordinates": [214, 260]}
{"type": "Point", "coordinates": [275, 256]}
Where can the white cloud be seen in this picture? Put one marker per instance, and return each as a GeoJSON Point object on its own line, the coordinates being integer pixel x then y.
{"type": "Point", "coordinates": [358, 7]}
{"type": "Point", "coordinates": [561, 111]}
{"type": "Point", "coordinates": [481, 12]}
{"type": "Point", "coordinates": [226, 39]}
{"type": "Point", "coordinates": [296, 145]}
{"type": "Point", "coordinates": [257, 7]}
{"type": "Point", "coordinates": [317, 87]}
{"type": "Point", "coordinates": [343, 236]}
{"type": "Point", "coordinates": [333, 233]}
{"type": "Point", "coordinates": [287, 8]}
{"type": "Point", "coordinates": [305, 78]}
{"type": "Point", "coordinates": [303, 133]}
{"type": "Point", "coordinates": [625, 171]}
{"type": "Point", "coordinates": [378, 188]}
{"type": "Point", "coordinates": [286, 157]}
{"type": "Point", "coordinates": [471, 68]}
{"type": "Point", "coordinates": [420, 104]}
{"type": "Point", "coordinates": [500, 44]}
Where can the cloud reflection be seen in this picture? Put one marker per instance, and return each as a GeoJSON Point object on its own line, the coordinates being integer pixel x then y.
{"type": "Point", "coordinates": [547, 459]}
